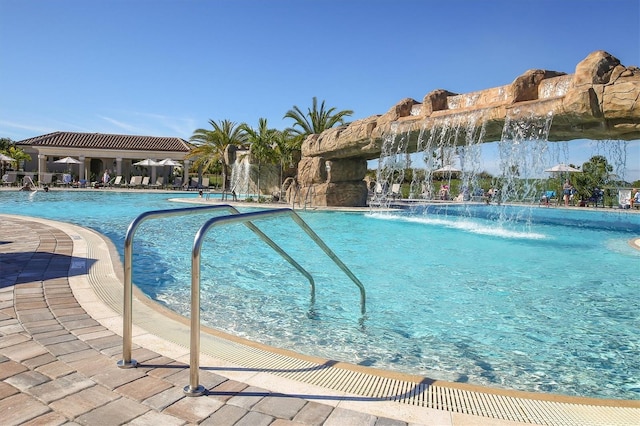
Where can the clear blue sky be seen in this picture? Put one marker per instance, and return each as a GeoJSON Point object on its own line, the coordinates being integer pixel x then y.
{"type": "Point", "coordinates": [166, 67]}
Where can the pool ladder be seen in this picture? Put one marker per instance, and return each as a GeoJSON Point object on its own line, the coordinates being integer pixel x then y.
{"type": "Point", "coordinates": [194, 388]}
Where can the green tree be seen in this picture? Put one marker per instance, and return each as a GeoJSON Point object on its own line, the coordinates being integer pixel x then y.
{"type": "Point", "coordinates": [5, 143]}
{"type": "Point", "coordinates": [596, 173]}
{"type": "Point", "coordinates": [211, 145]}
{"type": "Point", "coordinates": [315, 121]}
{"type": "Point", "coordinates": [262, 142]}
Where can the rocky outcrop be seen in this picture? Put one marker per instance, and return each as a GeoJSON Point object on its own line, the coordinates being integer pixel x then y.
{"type": "Point", "coordinates": [600, 101]}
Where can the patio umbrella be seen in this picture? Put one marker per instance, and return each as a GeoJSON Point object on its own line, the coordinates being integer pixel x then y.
{"type": "Point", "coordinates": [168, 162]}
{"type": "Point", "coordinates": [147, 162]}
{"type": "Point", "coordinates": [5, 158]}
{"type": "Point", "coordinates": [562, 168]}
{"type": "Point", "coordinates": [67, 160]}
{"type": "Point", "coordinates": [447, 169]}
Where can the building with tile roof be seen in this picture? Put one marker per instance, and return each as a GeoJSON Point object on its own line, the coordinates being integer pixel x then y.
{"type": "Point", "coordinates": [100, 152]}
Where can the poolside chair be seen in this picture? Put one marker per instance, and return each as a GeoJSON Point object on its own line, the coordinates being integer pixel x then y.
{"type": "Point", "coordinates": [177, 183]}
{"type": "Point", "coordinates": [118, 181]}
{"type": "Point", "coordinates": [159, 183]}
{"type": "Point", "coordinates": [134, 182]}
{"type": "Point", "coordinates": [65, 181]}
{"type": "Point", "coordinates": [395, 191]}
{"type": "Point", "coordinates": [145, 182]}
{"type": "Point", "coordinates": [47, 178]}
{"type": "Point", "coordinates": [624, 198]}
{"type": "Point", "coordinates": [205, 184]}
{"type": "Point", "coordinates": [9, 178]}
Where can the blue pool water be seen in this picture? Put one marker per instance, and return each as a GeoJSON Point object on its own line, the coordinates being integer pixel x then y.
{"type": "Point", "coordinates": [547, 302]}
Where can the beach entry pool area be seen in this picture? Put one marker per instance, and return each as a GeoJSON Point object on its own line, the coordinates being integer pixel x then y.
{"type": "Point", "coordinates": [527, 298]}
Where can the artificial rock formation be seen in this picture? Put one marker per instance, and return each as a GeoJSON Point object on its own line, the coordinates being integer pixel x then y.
{"type": "Point", "coordinates": [600, 101]}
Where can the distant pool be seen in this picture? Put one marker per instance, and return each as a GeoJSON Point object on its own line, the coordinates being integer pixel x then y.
{"type": "Point", "coordinates": [532, 299]}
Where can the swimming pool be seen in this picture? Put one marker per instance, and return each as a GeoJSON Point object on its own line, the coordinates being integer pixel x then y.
{"type": "Point", "coordinates": [544, 303]}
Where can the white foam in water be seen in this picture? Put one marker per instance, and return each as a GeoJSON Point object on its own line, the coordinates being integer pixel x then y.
{"type": "Point", "coordinates": [464, 224]}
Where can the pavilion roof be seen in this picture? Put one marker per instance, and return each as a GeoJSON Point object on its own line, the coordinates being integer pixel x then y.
{"type": "Point", "coordinates": [108, 141]}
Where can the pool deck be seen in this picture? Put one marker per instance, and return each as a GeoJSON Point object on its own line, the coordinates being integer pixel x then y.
{"type": "Point", "coordinates": [60, 340]}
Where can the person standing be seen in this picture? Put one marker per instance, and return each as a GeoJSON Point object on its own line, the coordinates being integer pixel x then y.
{"type": "Point", "coordinates": [567, 188]}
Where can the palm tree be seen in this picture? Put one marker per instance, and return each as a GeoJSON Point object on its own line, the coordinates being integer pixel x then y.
{"type": "Point", "coordinates": [315, 121]}
{"type": "Point", "coordinates": [212, 144]}
{"type": "Point", "coordinates": [262, 142]}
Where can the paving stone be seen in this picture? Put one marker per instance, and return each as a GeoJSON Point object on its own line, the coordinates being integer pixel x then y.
{"type": "Point", "coordinates": [163, 367]}
{"type": "Point", "coordinates": [10, 368]}
{"type": "Point", "coordinates": [164, 399]}
{"type": "Point", "coordinates": [340, 417]}
{"type": "Point", "coordinates": [117, 412]}
{"type": "Point", "coordinates": [92, 366]}
{"type": "Point", "coordinates": [61, 387]}
{"type": "Point", "coordinates": [143, 388]}
{"type": "Point", "coordinates": [19, 408]}
{"type": "Point", "coordinates": [151, 418]}
{"type": "Point", "coordinates": [55, 369]}
{"type": "Point", "coordinates": [49, 419]}
{"type": "Point", "coordinates": [7, 390]}
{"type": "Point", "coordinates": [66, 337]}
{"type": "Point", "coordinates": [148, 358]}
{"type": "Point", "coordinates": [81, 331]}
{"type": "Point", "coordinates": [313, 413]}
{"type": "Point", "coordinates": [384, 421]}
{"type": "Point", "coordinates": [227, 415]}
{"type": "Point", "coordinates": [82, 402]}
{"type": "Point", "coordinates": [248, 397]}
{"type": "Point", "coordinates": [227, 390]}
{"type": "Point", "coordinates": [279, 406]}
{"type": "Point", "coordinates": [253, 418]}
{"type": "Point", "coordinates": [38, 361]}
{"type": "Point", "coordinates": [106, 342]}
{"type": "Point", "coordinates": [113, 377]}
{"type": "Point", "coordinates": [23, 351]}
{"type": "Point", "coordinates": [194, 409]}
{"type": "Point", "coordinates": [67, 347]}
{"type": "Point", "coordinates": [14, 339]}
{"type": "Point", "coordinates": [84, 354]}
{"type": "Point", "coordinates": [27, 379]}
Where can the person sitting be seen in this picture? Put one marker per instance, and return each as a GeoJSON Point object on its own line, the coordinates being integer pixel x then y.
{"type": "Point", "coordinates": [635, 197]}
{"type": "Point", "coordinates": [444, 192]}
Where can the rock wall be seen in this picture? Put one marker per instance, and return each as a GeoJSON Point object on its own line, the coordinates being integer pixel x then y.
{"type": "Point", "coordinates": [600, 101]}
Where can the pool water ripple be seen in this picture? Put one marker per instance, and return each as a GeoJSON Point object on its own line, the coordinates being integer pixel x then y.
{"type": "Point", "coordinates": [545, 305]}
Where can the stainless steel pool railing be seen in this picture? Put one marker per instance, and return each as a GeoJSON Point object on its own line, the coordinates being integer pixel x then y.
{"type": "Point", "coordinates": [127, 316]}
{"type": "Point", "coordinates": [194, 388]}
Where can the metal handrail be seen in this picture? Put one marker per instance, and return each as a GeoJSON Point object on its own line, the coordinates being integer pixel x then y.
{"type": "Point", "coordinates": [127, 316]}
{"type": "Point", "coordinates": [194, 388]}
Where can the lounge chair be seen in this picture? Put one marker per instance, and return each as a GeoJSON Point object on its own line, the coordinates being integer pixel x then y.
{"type": "Point", "coordinates": [134, 182]}
{"type": "Point", "coordinates": [395, 191]}
{"type": "Point", "coordinates": [177, 183]}
{"type": "Point", "coordinates": [205, 184]}
{"type": "Point", "coordinates": [624, 198]}
{"type": "Point", "coordinates": [9, 178]}
{"type": "Point", "coordinates": [159, 183]}
{"type": "Point", "coordinates": [47, 178]}
{"type": "Point", "coordinates": [145, 182]}
{"type": "Point", "coordinates": [118, 181]}
{"type": "Point", "coordinates": [65, 181]}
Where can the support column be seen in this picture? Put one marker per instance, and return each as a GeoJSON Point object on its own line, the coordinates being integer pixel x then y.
{"type": "Point", "coordinates": [82, 168]}
{"type": "Point", "coordinates": [119, 166]}
{"type": "Point", "coordinates": [42, 167]}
